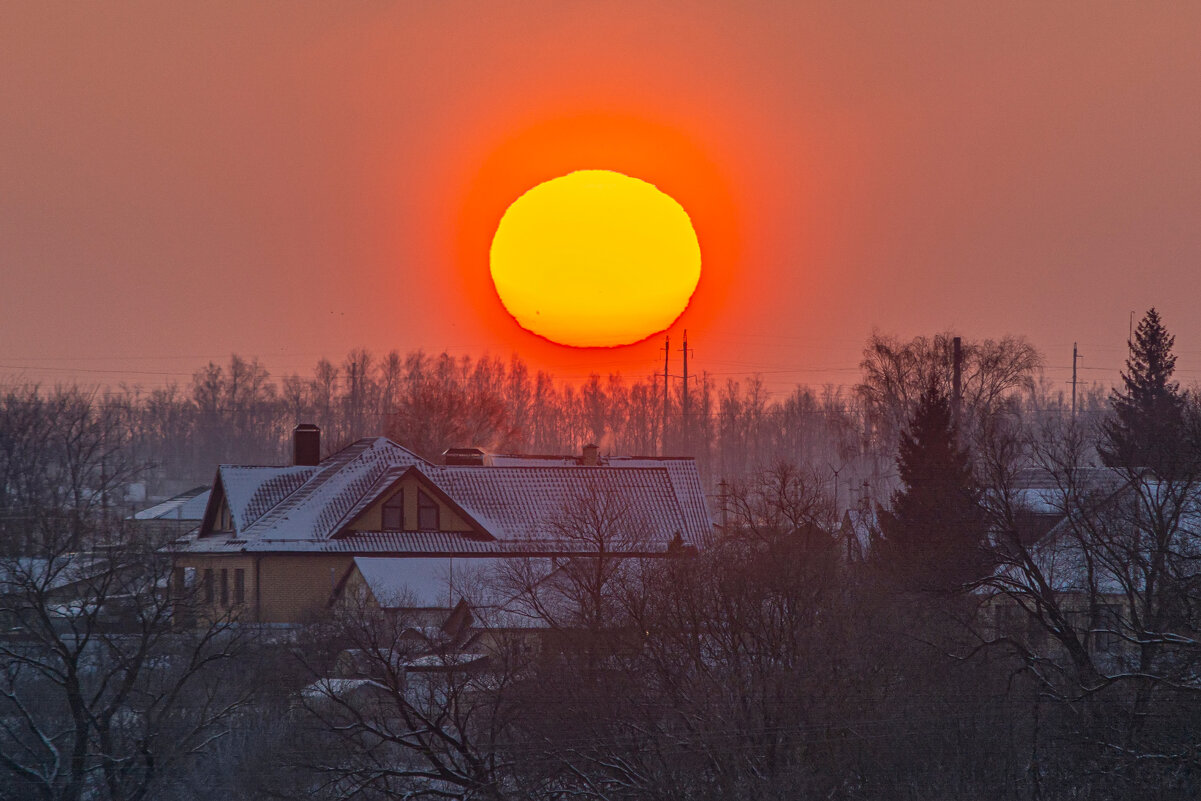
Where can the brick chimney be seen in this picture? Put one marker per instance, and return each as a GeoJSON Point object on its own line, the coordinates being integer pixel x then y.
{"type": "Point", "coordinates": [306, 445]}
{"type": "Point", "coordinates": [591, 456]}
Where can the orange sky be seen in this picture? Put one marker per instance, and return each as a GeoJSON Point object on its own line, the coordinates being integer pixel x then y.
{"type": "Point", "coordinates": [294, 180]}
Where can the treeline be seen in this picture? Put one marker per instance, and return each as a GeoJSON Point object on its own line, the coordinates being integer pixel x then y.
{"type": "Point", "coordinates": [239, 413]}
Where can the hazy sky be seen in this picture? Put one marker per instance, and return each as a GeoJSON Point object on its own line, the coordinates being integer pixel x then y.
{"type": "Point", "coordinates": [288, 180]}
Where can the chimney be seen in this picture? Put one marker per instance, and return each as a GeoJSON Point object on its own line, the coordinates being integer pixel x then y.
{"type": "Point", "coordinates": [463, 457]}
{"type": "Point", "coordinates": [306, 445]}
{"type": "Point", "coordinates": [591, 454]}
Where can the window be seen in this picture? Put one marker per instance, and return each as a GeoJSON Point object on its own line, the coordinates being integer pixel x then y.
{"type": "Point", "coordinates": [179, 582]}
{"type": "Point", "coordinates": [208, 585]}
{"type": "Point", "coordinates": [427, 512]}
{"type": "Point", "coordinates": [394, 513]}
{"type": "Point", "coordinates": [1105, 636]}
{"type": "Point", "coordinates": [224, 587]}
{"type": "Point", "coordinates": [239, 586]}
{"type": "Point", "coordinates": [225, 521]}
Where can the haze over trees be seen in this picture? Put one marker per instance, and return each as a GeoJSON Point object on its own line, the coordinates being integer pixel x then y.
{"type": "Point", "coordinates": [1010, 607]}
{"type": "Point", "coordinates": [239, 413]}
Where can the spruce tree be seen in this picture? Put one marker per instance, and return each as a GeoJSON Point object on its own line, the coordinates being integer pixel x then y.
{"type": "Point", "coordinates": [933, 537]}
{"type": "Point", "coordinates": [1146, 427]}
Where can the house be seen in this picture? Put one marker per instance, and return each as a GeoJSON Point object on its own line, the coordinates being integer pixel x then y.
{"type": "Point", "coordinates": [175, 516]}
{"type": "Point", "coordinates": [1108, 570]}
{"type": "Point", "coordinates": [857, 533]}
{"type": "Point", "coordinates": [278, 543]}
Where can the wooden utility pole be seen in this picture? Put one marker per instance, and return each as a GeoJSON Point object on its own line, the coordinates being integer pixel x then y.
{"type": "Point", "coordinates": [1075, 356]}
{"type": "Point", "coordinates": [666, 378]}
{"type": "Point", "coordinates": [684, 405]}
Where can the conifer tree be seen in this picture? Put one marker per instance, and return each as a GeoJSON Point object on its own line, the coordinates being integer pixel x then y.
{"type": "Point", "coordinates": [1147, 425]}
{"type": "Point", "coordinates": [933, 537]}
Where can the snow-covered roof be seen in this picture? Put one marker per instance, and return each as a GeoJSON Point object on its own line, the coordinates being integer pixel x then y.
{"type": "Point", "coordinates": [185, 506]}
{"type": "Point", "coordinates": [412, 582]}
{"type": "Point", "coordinates": [340, 688]}
{"type": "Point", "coordinates": [414, 543]}
{"type": "Point", "coordinates": [252, 490]}
{"type": "Point", "coordinates": [1070, 560]}
{"type": "Point", "coordinates": [531, 503]}
{"type": "Point", "coordinates": [316, 506]}
{"type": "Point", "coordinates": [19, 574]}
{"type": "Point", "coordinates": [1040, 500]}
{"type": "Point", "coordinates": [522, 503]}
{"type": "Point", "coordinates": [1043, 492]}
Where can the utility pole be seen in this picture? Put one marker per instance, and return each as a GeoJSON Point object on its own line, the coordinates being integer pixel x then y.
{"type": "Point", "coordinates": [1075, 356]}
{"type": "Point", "coordinates": [725, 509]}
{"type": "Point", "coordinates": [956, 380]}
{"type": "Point", "coordinates": [684, 406]}
{"type": "Point", "coordinates": [666, 378]}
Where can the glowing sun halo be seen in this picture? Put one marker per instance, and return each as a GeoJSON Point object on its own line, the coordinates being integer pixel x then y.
{"type": "Point", "coordinates": [595, 258]}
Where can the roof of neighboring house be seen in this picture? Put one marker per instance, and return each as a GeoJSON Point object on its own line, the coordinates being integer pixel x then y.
{"type": "Point", "coordinates": [856, 531]}
{"type": "Point", "coordinates": [1064, 560]}
{"type": "Point", "coordinates": [184, 506]}
{"type": "Point", "coordinates": [519, 502]}
{"type": "Point", "coordinates": [24, 572]}
{"type": "Point", "coordinates": [1043, 492]}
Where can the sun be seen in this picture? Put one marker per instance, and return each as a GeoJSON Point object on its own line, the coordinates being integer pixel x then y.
{"type": "Point", "coordinates": [595, 258]}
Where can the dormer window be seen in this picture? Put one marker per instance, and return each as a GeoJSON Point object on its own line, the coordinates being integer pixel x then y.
{"type": "Point", "coordinates": [225, 521]}
{"type": "Point", "coordinates": [427, 512]}
{"type": "Point", "coordinates": [394, 513]}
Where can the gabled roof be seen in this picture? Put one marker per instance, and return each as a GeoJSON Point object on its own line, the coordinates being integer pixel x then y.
{"type": "Point", "coordinates": [514, 501]}
{"type": "Point", "coordinates": [251, 490]}
{"type": "Point", "coordinates": [393, 476]}
{"type": "Point", "coordinates": [307, 502]}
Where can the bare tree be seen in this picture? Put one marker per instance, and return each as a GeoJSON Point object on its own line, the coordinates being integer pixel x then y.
{"type": "Point", "coordinates": [63, 453]}
{"type": "Point", "coordinates": [413, 713]}
{"type": "Point", "coordinates": [782, 500]}
{"type": "Point", "coordinates": [604, 542]}
{"type": "Point", "coordinates": [1104, 611]}
{"type": "Point", "coordinates": [103, 691]}
{"type": "Point", "coordinates": [895, 374]}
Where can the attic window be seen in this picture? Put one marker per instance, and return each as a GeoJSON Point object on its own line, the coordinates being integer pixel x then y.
{"type": "Point", "coordinates": [224, 518]}
{"type": "Point", "coordinates": [427, 512]}
{"type": "Point", "coordinates": [394, 513]}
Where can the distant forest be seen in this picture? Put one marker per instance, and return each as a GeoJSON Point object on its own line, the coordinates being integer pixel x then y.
{"type": "Point", "coordinates": [239, 413]}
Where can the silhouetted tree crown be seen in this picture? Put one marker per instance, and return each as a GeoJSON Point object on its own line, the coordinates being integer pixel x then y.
{"type": "Point", "coordinates": [1147, 425]}
{"type": "Point", "coordinates": [933, 536]}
